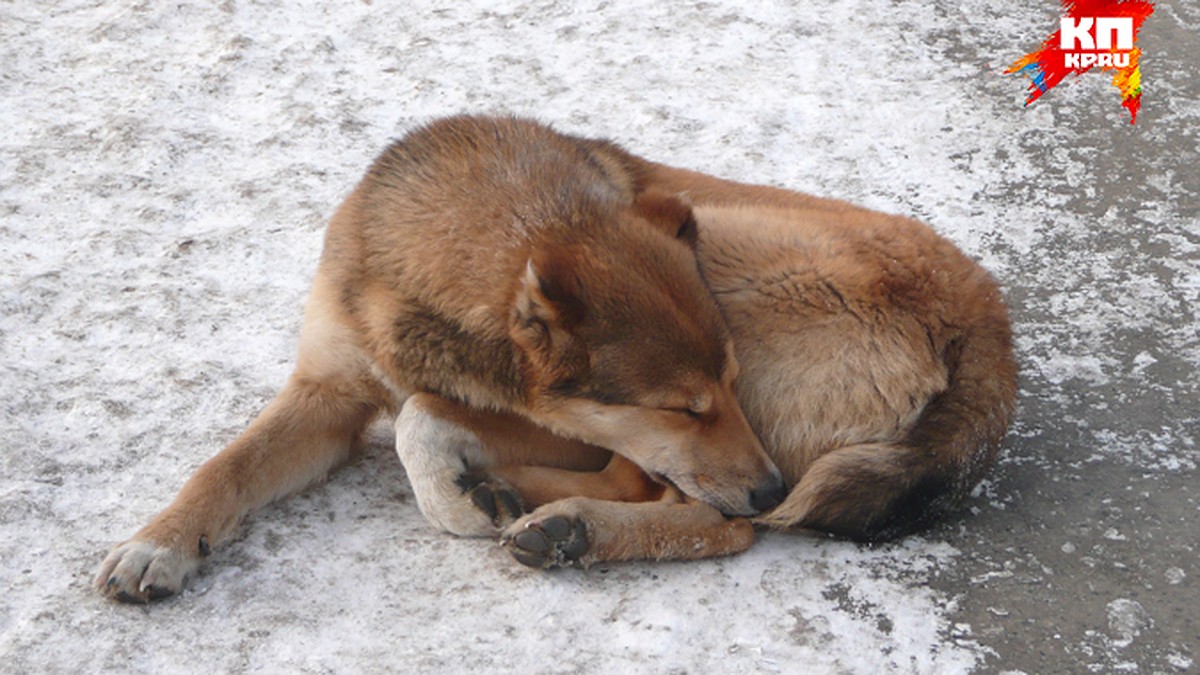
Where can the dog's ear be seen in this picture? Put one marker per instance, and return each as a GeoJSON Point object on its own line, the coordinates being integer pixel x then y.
{"type": "Point", "coordinates": [670, 212]}
{"type": "Point", "coordinates": [547, 309]}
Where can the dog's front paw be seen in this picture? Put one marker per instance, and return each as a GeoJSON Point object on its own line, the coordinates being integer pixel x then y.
{"type": "Point", "coordinates": [438, 456]}
{"type": "Point", "coordinates": [547, 539]}
{"type": "Point", "coordinates": [468, 504]}
{"type": "Point", "coordinates": [139, 571]}
{"type": "Point", "coordinates": [494, 497]}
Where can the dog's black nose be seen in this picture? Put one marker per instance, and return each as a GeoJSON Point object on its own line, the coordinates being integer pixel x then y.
{"type": "Point", "coordinates": [769, 494]}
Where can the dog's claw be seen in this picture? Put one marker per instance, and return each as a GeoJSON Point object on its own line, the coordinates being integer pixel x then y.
{"type": "Point", "coordinates": [552, 543]}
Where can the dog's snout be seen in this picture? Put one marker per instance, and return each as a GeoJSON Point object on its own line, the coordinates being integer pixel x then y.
{"type": "Point", "coordinates": [769, 494]}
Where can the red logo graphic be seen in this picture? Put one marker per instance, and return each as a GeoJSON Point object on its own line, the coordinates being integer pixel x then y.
{"type": "Point", "coordinates": [1092, 34]}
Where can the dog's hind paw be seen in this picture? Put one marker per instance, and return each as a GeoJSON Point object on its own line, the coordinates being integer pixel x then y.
{"type": "Point", "coordinates": [139, 571]}
{"type": "Point", "coordinates": [549, 542]}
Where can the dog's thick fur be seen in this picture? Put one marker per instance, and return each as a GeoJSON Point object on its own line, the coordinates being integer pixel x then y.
{"type": "Point", "coordinates": [529, 302]}
{"type": "Point", "coordinates": [876, 367]}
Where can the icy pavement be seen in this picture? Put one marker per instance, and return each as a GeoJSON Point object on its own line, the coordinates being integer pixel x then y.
{"type": "Point", "coordinates": [165, 173]}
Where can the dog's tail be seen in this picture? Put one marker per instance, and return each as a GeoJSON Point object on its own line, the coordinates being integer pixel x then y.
{"type": "Point", "coordinates": [875, 492]}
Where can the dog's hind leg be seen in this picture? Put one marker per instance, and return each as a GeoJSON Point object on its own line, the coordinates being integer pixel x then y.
{"type": "Point", "coordinates": [879, 491]}
{"type": "Point", "coordinates": [582, 531]}
{"type": "Point", "coordinates": [310, 427]}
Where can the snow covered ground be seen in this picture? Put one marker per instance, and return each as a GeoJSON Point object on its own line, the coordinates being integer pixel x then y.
{"type": "Point", "coordinates": [165, 173]}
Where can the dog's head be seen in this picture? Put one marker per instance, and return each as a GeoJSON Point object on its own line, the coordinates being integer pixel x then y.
{"type": "Point", "coordinates": [626, 348]}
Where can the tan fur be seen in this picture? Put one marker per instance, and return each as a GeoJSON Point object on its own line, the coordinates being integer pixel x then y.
{"type": "Point", "coordinates": [844, 316]}
{"type": "Point", "coordinates": [619, 481]}
{"type": "Point", "coordinates": [542, 295]}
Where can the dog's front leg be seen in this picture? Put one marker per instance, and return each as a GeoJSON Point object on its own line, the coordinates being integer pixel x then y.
{"type": "Point", "coordinates": [581, 531]}
{"type": "Point", "coordinates": [308, 429]}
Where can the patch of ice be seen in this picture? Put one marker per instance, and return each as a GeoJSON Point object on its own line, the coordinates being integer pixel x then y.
{"type": "Point", "coordinates": [1181, 661]}
{"type": "Point", "coordinates": [1126, 621]}
{"type": "Point", "coordinates": [1143, 361]}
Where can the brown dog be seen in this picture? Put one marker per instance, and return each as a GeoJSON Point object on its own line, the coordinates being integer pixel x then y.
{"type": "Point", "coordinates": [541, 293]}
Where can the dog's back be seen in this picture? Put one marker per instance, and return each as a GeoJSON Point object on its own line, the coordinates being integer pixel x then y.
{"type": "Point", "coordinates": [876, 361]}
